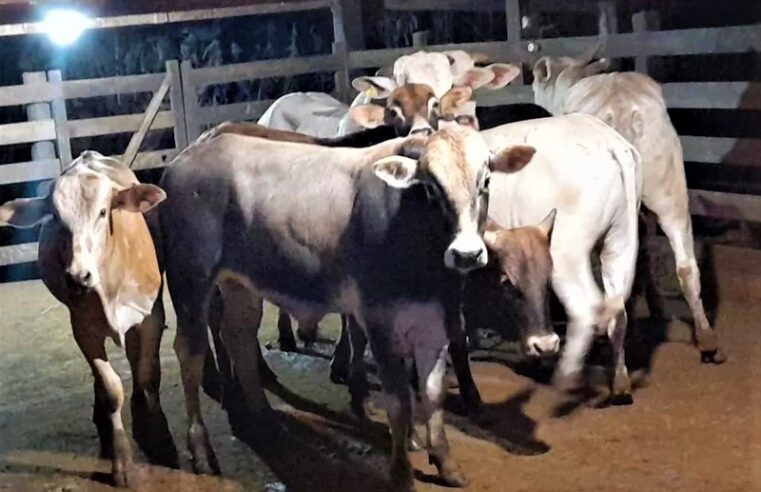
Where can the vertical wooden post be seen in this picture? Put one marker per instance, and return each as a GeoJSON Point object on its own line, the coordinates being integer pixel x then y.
{"type": "Point", "coordinates": [178, 105]}
{"type": "Point", "coordinates": [420, 38]}
{"type": "Point", "coordinates": [190, 98]}
{"type": "Point", "coordinates": [608, 24]}
{"type": "Point", "coordinates": [643, 21]}
{"type": "Point", "coordinates": [353, 29]}
{"type": "Point", "coordinates": [58, 107]}
{"type": "Point", "coordinates": [36, 112]}
{"type": "Point", "coordinates": [340, 50]}
{"type": "Point", "coordinates": [513, 20]}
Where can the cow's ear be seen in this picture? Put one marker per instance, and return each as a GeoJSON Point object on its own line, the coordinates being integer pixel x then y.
{"type": "Point", "coordinates": [543, 69]}
{"type": "Point", "coordinates": [397, 171]}
{"type": "Point", "coordinates": [368, 115]}
{"type": "Point", "coordinates": [512, 159]}
{"type": "Point", "coordinates": [548, 224]}
{"type": "Point", "coordinates": [138, 198]}
{"type": "Point", "coordinates": [24, 212]}
{"type": "Point", "coordinates": [476, 77]}
{"type": "Point", "coordinates": [455, 99]}
{"type": "Point", "coordinates": [504, 73]}
{"type": "Point", "coordinates": [374, 87]}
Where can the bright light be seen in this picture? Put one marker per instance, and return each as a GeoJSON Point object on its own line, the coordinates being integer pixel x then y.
{"type": "Point", "coordinates": [64, 27]}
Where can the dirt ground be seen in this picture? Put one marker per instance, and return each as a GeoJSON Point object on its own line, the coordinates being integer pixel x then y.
{"type": "Point", "coordinates": [692, 427]}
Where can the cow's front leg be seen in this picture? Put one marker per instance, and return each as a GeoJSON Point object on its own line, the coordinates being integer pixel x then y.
{"type": "Point", "coordinates": [432, 367]}
{"type": "Point", "coordinates": [458, 351]}
{"type": "Point", "coordinates": [285, 337]}
{"type": "Point", "coordinates": [149, 425]}
{"type": "Point", "coordinates": [396, 390]}
{"type": "Point", "coordinates": [89, 334]}
{"type": "Point", "coordinates": [339, 365]}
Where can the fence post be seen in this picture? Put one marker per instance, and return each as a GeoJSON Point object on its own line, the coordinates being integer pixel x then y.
{"type": "Point", "coordinates": [513, 20]}
{"type": "Point", "coordinates": [608, 24]}
{"type": "Point", "coordinates": [340, 50]}
{"type": "Point", "coordinates": [58, 107]}
{"type": "Point", "coordinates": [36, 112]}
{"type": "Point", "coordinates": [420, 38]}
{"type": "Point", "coordinates": [643, 21]}
{"type": "Point", "coordinates": [177, 104]}
{"type": "Point", "coordinates": [190, 98]}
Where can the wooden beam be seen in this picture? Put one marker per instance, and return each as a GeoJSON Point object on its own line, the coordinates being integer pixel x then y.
{"type": "Point", "coordinates": [713, 95]}
{"type": "Point", "coordinates": [465, 5]}
{"type": "Point", "coordinates": [58, 107]}
{"type": "Point", "coordinates": [717, 150]}
{"type": "Point", "coordinates": [283, 67]}
{"type": "Point", "coordinates": [157, 18]}
{"type": "Point", "coordinates": [125, 123]}
{"type": "Point", "coordinates": [245, 111]}
{"type": "Point", "coordinates": [27, 132]}
{"type": "Point", "coordinates": [150, 115]}
{"type": "Point", "coordinates": [733, 206]}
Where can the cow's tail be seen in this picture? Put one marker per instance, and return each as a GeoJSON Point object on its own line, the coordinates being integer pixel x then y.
{"type": "Point", "coordinates": [629, 162]}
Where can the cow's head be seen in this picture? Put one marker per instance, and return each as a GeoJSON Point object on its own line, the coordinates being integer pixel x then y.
{"type": "Point", "coordinates": [412, 109]}
{"type": "Point", "coordinates": [553, 76]}
{"type": "Point", "coordinates": [525, 268]}
{"type": "Point", "coordinates": [454, 164]}
{"type": "Point", "coordinates": [439, 71]}
{"type": "Point", "coordinates": [78, 210]}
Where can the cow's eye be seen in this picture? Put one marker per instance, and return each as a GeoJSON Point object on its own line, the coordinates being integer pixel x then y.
{"type": "Point", "coordinates": [102, 213]}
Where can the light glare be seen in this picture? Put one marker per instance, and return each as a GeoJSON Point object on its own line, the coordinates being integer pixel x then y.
{"type": "Point", "coordinates": [63, 27]}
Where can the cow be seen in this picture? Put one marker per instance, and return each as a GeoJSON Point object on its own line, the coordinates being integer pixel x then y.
{"type": "Point", "coordinates": [508, 295]}
{"type": "Point", "coordinates": [633, 104]}
{"type": "Point", "coordinates": [96, 256]}
{"type": "Point", "coordinates": [321, 115]}
{"type": "Point", "coordinates": [382, 233]}
{"type": "Point", "coordinates": [592, 176]}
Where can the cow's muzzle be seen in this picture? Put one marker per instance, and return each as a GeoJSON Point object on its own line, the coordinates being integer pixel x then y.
{"type": "Point", "coordinates": [542, 346]}
{"type": "Point", "coordinates": [466, 254]}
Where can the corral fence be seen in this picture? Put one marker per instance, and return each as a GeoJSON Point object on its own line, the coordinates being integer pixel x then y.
{"type": "Point", "coordinates": [45, 95]}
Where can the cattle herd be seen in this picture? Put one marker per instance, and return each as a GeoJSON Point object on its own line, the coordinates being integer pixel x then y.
{"type": "Point", "coordinates": [397, 212]}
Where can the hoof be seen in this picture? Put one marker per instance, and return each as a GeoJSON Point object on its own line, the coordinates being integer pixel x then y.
{"type": "Point", "coordinates": [450, 473]}
{"type": "Point", "coordinates": [339, 375]}
{"type": "Point", "coordinates": [566, 382]}
{"type": "Point", "coordinates": [620, 399]}
{"type": "Point", "coordinates": [712, 357]}
{"type": "Point", "coordinates": [288, 346]}
{"type": "Point", "coordinates": [120, 473]}
{"type": "Point", "coordinates": [707, 341]}
{"type": "Point", "coordinates": [402, 479]}
{"type": "Point", "coordinates": [414, 442]}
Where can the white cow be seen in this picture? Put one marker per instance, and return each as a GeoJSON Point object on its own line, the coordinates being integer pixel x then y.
{"type": "Point", "coordinates": [592, 176]}
{"type": "Point", "coordinates": [633, 104]}
{"type": "Point", "coordinates": [321, 115]}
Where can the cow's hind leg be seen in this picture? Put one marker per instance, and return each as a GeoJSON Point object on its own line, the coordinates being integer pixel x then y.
{"type": "Point", "coordinates": [359, 389]}
{"type": "Point", "coordinates": [431, 363]}
{"type": "Point", "coordinates": [286, 340]}
{"type": "Point", "coordinates": [678, 229]}
{"type": "Point", "coordinates": [339, 364]}
{"type": "Point", "coordinates": [89, 333]}
{"type": "Point", "coordinates": [149, 425]}
{"type": "Point", "coordinates": [240, 325]}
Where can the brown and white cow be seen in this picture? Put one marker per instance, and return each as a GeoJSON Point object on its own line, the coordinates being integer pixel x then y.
{"type": "Point", "coordinates": [633, 104]}
{"type": "Point", "coordinates": [376, 233]}
{"type": "Point", "coordinates": [96, 256]}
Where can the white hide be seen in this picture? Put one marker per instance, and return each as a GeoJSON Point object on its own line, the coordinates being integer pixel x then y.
{"type": "Point", "coordinates": [592, 176]}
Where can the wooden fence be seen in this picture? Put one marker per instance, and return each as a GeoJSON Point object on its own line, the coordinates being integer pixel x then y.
{"type": "Point", "coordinates": [188, 117]}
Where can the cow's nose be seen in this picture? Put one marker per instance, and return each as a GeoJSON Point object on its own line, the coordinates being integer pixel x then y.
{"type": "Point", "coordinates": [467, 259]}
{"type": "Point", "coordinates": [425, 131]}
{"type": "Point", "coordinates": [544, 345]}
{"type": "Point", "coordinates": [83, 278]}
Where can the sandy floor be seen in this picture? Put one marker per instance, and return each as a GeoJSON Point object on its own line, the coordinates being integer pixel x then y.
{"type": "Point", "coordinates": [692, 427]}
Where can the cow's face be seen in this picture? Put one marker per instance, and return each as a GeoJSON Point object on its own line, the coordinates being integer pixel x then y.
{"type": "Point", "coordinates": [412, 109]}
{"type": "Point", "coordinates": [525, 268]}
{"type": "Point", "coordinates": [553, 76]}
{"type": "Point", "coordinates": [454, 164]}
{"type": "Point", "coordinates": [79, 211]}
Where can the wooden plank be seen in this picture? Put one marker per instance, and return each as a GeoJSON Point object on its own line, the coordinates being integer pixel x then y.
{"type": "Point", "coordinates": [716, 150]}
{"type": "Point", "coordinates": [496, 50]}
{"type": "Point", "coordinates": [514, 26]}
{"type": "Point", "coordinates": [284, 67]}
{"type": "Point", "coordinates": [29, 171]}
{"type": "Point", "coordinates": [232, 112]}
{"type": "Point", "coordinates": [710, 40]}
{"type": "Point", "coordinates": [39, 111]}
{"type": "Point", "coordinates": [125, 123]}
{"type": "Point", "coordinates": [58, 107]}
{"type": "Point", "coordinates": [354, 33]}
{"type": "Point", "coordinates": [465, 5]}
{"type": "Point", "coordinates": [707, 95]}
{"type": "Point", "coordinates": [190, 101]}
{"type": "Point", "coordinates": [22, 172]}
{"type": "Point", "coordinates": [177, 103]}
{"type": "Point", "coordinates": [18, 253]}
{"type": "Point", "coordinates": [156, 18]}
{"type": "Point", "coordinates": [109, 86]}
{"type": "Point", "coordinates": [150, 115]}
{"type": "Point", "coordinates": [732, 206]}
{"type": "Point", "coordinates": [16, 95]}
{"type": "Point", "coordinates": [713, 95]}
{"type": "Point", "coordinates": [27, 132]}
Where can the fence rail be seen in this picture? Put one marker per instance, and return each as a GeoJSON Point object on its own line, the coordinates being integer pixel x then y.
{"type": "Point", "coordinates": [187, 117]}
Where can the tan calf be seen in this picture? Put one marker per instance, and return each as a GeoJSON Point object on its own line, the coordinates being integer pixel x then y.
{"type": "Point", "coordinates": [96, 256]}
